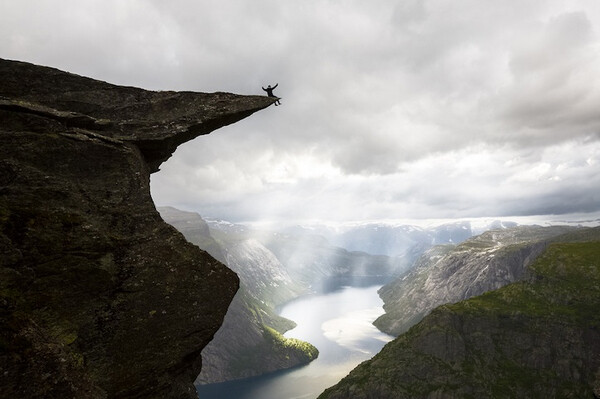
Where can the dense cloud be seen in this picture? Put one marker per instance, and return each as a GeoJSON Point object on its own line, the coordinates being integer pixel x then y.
{"type": "Point", "coordinates": [393, 109]}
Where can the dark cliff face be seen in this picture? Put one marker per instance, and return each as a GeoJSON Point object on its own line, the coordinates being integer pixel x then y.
{"type": "Point", "coordinates": [98, 296]}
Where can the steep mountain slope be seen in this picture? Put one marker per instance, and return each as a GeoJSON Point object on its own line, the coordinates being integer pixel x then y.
{"type": "Point", "coordinates": [263, 275]}
{"type": "Point", "coordinates": [250, 342]}
{"type": "Point", "coordinates": [193, 228]}
{"type": "Point", "coordinates": [448, 274]}
{"type": "Point", "coordinates": [98, 296]}
{"type": "Point", "coordinates": [537, 338]}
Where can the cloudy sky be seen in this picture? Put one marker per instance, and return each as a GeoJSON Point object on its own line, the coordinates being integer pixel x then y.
{"type": "Point", "coordinates": [408, 109]}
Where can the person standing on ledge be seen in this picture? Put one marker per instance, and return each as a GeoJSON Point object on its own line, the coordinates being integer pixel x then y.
{"type": "Point", "coordinates": [269, 91]}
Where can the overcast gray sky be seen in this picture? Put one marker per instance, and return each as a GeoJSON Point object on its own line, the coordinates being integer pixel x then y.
{"type": "Point", "coordinates": [411, 109]}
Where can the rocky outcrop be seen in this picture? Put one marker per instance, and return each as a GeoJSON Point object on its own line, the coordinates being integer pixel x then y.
{"type": "Point", "coordinates": [98, 296]}
{"type": "Point", "coordinates": [538, 338]}
{"type": "Point", "coordinates": [448, 274]}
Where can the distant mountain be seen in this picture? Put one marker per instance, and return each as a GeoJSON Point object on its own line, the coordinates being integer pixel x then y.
{"type": "Point", "coordinates": [400, 240]}
{"type": "Point", "coordinates": [449, 273]}
{"type": "Point", "coordinates": [387, 239]}
{"type": "Point", "coordinates": [260, 271]}
{"type": "Point", "coordinates": [250, 342]}
{"type": "Point", "coordinates": [536, 338]}
{"type": "Point", "coordinates": [310, 258]}
{"type": "Point", "coordinates": [312, 261]}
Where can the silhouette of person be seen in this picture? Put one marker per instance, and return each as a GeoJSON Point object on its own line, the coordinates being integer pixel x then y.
{"type": "Point", "coordinates": [269, 91]}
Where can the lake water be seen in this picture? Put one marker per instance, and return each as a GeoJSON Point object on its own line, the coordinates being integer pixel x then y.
{"type": "Point", "coordinates": [338, 323]}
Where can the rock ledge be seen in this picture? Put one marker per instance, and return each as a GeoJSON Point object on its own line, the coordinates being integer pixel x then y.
{"type": "Point", "coordinates": [99, 298]}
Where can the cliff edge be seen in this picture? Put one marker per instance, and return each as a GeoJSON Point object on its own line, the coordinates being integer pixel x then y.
{"type": "Point", "coordinates": [98, 296]}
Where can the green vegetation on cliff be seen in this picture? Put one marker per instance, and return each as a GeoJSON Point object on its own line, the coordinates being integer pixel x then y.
{"type": "Point", "coordinates": [537, 338]}
{"type": "Point", "coordinates": [275, 348]}
{"type": "Point", "coordinates": [565, 284]}
{"type": "Point", "coordinates": [284, 344]}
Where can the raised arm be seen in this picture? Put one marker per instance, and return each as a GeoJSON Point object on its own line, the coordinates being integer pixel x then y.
{"type": "Point", "coordinates": [275, 85]}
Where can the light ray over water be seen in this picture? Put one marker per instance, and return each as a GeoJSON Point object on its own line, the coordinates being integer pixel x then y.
{"type": "Point", "coordinates": [354, 330]}
{"type": "Point", "coordinates": [338, 323]}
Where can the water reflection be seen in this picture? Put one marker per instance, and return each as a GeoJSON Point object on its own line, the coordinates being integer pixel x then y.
{"type": "Point", "coordinates": [338, 322]}
{"type": "Point", "coordinates": [351, 331]}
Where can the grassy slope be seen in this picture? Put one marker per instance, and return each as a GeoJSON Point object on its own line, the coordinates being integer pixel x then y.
{"type": "Point", "coordinates": [537, 338]}
{"type": "Point", "coordinates": [408, 300]}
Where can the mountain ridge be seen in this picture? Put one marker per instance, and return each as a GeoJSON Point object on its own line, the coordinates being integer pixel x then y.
{"type": "Point", "coordinates": [538, 337]}
{"type": "Point", "coordinates": [447, 274]}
